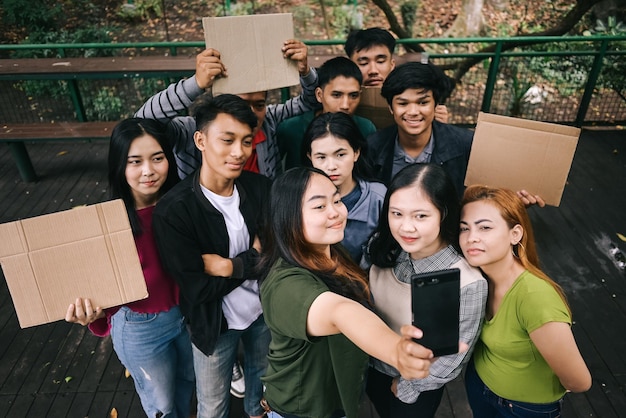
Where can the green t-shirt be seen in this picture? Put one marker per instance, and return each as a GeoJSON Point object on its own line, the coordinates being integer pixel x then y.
{"type": "Point", "coordinates": [306, 376]}
{"type": "Point", "coordinates": [290, 133]}
{"type": "Point", "coordinates": [506, 359]}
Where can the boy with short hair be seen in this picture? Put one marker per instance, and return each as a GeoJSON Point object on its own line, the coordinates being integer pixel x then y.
{"type": "Point", "coordinates": [177, 97]}
{"type": "Point", "coordinates": [372, 50]}
{"type": "Point", "coordinates": [206, 231]}
{"type": "Point", "coordinates": [412, 91]}
{"type": "Point", "coordinates": [339, 90]}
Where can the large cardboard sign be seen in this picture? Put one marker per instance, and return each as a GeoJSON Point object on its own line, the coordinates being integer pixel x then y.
{"type": "Point", "coordinates": [50, 260]}
{"type": "Point", "coordinates": [250, 48]}
{"type": "Point", "coordinates": [522, 154]}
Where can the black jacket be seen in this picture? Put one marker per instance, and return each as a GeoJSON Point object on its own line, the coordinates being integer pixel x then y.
{"type": "Point", "coordinates": [186, 226]}
{"type": "Point", "coordinates": [452, 150]}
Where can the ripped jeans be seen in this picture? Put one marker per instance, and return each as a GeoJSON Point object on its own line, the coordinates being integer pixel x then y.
{"type": "Point", "coordinates": [156, 350]}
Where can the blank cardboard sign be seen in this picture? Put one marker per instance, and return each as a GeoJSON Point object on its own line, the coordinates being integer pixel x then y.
{"type": "Point", "coordinates": [250, 49]}
{"type": "Point", "coordinates": [50, 260]}
{"type": "Point", "coordinates": [522, 154]}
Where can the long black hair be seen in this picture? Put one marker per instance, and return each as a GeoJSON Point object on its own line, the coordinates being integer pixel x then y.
{"type": "Point", "coordinates": [434, 182]}
{"type": "Point", "coordinates": [284, 239]}
{"type": "Point", "coordinates": [122, 136]}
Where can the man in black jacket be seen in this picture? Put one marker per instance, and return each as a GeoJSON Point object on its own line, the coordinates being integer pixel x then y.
{"type": "Point", "coordinates": [206, 230]}
{"type": "Point", "coordinates": [412, 91]}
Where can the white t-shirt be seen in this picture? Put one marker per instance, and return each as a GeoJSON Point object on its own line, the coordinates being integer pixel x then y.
{"type": "Point", "coordinates": [242, 306]}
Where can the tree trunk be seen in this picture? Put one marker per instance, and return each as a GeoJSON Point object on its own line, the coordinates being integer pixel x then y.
{"type": "Point", "coordinates": [395, 26]}
{"type": "Point", "coordinates": [469, 22]}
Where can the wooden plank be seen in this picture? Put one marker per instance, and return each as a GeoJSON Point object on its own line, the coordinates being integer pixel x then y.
{"type": "Point", "coordinates": [113, 377]}
{"type": "Point", "coordinates": [125, 402]}
{"type": "Point", "coordinates": [20, 406]}
{"type": "Point", "coordinates": [46, 358]}
{"type": "Point", "coordinates": [57, 130]}
{"type": "Point", "coordinates": [101, 404]}
{"type": "Point", "coordinates": [28, 365]}
{"type": "Point", "coordinates": [97, 65]}
{"type": "Point", "coordinates": [140, 65]}
{"type": "Point", "coordinates": [81, 404]}
{"type": "Point", "coordinates": [41, 405]}
{"type": "Point", "coordinates": [11, 357]}
{"type": "Point", "coordinates": [58, 370]}
{"type": "Point", "coordinates": [61, 405]}
{"type": "Point", "coordinates": [6, 402]}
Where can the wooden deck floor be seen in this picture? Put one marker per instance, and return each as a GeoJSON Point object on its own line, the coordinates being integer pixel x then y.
{"type": "Point", "coordinates": [61, 370]}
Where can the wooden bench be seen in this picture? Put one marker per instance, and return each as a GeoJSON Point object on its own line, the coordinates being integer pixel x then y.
{"type": "Point", "coordinates": [15, 135]}
{"type": "Point", "coordinates": [98, 67]}
{"type": "Point", "coordinates": [72, 69]}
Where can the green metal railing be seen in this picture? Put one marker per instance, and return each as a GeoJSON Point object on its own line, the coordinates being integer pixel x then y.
{"type": "Point", "coordinates": [495, 84]}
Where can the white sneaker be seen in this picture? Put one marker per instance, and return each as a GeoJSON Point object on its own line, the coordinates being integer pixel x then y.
{"type": "Point", "coordinates": [237, 383]}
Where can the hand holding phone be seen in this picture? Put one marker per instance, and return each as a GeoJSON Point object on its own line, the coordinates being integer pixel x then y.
{"type": "Point", "coordinates": [435, 300]}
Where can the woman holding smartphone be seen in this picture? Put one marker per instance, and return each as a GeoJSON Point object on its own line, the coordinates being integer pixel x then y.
{"type": "Point", "coordinates": [418, 233]}
{"type": "Point", "coordinates": [526, 358]}
{"type": "Point", "coordinates": [316, 303]}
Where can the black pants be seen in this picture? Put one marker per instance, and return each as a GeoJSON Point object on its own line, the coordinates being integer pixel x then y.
{"type": "Point", "coordinates": [388, 406]}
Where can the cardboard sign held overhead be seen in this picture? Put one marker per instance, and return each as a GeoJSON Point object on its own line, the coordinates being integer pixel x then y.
{"type": "Point", "coordinates": [522, 154]}
{"type": "Point", "coordinates": [250, 48]}
{"type": "Point", "coordinates": [50, 260]}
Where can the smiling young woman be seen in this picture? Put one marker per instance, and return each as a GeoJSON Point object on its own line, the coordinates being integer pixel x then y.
{"type": "Point", "coordinates": [316, 302]}
{"type": "Point", "coordinates": [526, 358]}
{"type": "Point", "coordinates": [149, 336]}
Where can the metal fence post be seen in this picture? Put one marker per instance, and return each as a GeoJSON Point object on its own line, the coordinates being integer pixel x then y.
{"type": "Point", "coordinates": [591, 83]}
{"type": "Point", "coordinates": [491, 78]}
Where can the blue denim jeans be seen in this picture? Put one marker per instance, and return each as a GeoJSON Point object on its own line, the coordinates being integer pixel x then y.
{"type": "Point", "coordinates": [215, 371]}
{"type": "Point", "coordinates": [486, 404]}
{"type": "Point", "coordinates": [156, 350]}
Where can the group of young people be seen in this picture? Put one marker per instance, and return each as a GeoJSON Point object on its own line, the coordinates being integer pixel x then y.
{"type": "Point", "coordinates": [290, 232]}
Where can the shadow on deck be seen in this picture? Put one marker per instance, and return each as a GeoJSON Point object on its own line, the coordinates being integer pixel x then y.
{"type": "Point", "coordinates": [61, 370]}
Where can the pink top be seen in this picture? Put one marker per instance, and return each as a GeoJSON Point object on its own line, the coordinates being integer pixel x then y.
{"type": "Point", "coordinates": [163, 292]}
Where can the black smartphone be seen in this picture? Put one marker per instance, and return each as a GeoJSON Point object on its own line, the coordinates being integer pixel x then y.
{"type": "Point", "coordinates": [435, 300]}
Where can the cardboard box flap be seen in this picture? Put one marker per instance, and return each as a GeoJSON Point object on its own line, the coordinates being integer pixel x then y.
{"type": "Point", "coordinates": [250, 48]}
{"type": "Point", "coordinates": [84, 252]}
{"type": "Point", "coordinates": [13, 240]}
{"type": "Point", "coordinates": [486, 118]}
{"type": "Point", "coordinates": [61, 227]}
{"type": "Point", "coordinates": [522, 154]}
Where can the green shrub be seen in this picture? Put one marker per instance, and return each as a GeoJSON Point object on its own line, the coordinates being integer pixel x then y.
{"type": "Point", "coordinates": [105, 105]}
{"type": "Point", "coordinates": [33, 15]}
{"type": "Point", "coordinates": [141, 10]}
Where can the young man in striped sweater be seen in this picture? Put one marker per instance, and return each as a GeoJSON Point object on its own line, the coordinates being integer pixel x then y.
{"type": "Point", "coordinates": [177, 97]}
